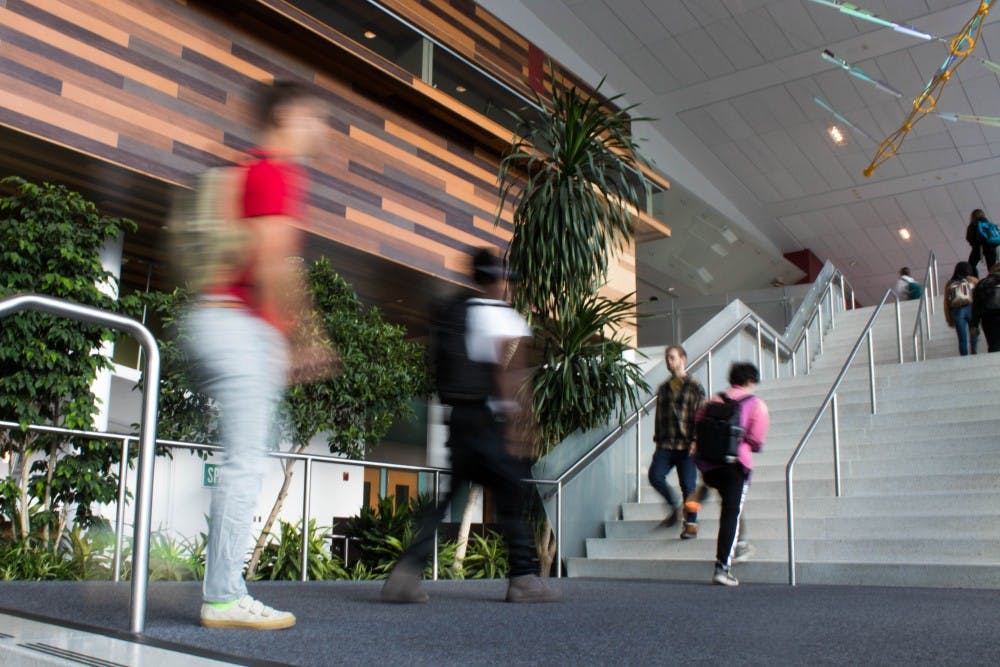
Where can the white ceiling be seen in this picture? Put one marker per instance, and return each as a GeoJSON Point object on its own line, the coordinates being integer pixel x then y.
{"type": "Point", "coordinates": [731, 84]}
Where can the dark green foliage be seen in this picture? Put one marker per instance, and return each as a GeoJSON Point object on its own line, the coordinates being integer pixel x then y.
{"type": "Point", "coordinates": [50, 243]}
{"type": "Point", "coordinates": [584, 376]}
{"type": "Point", "coordinates": [31, 560]}
{"type": "Point", "coordinates": [574, 205]}
{"type": "Point", "coordinates": [486, 557]}
{"type": "Point", "coordinates": [572, 173]}
{"type": "Point", "coordinates": [281, 558]}
{"type": "Point", "coordinates": [383, 533]}
{"type": "Point", "coordinates": [380, 372]}
{"type": "Point", "coordinates": [184, 413]}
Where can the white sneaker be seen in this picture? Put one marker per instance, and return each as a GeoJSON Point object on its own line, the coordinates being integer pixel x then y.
{"type": "Point", "coordinates": [744, 552]}
{"type": "Point", "coordinates": [246, 613]}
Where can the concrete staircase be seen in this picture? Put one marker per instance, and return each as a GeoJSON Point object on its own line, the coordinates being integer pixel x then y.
{"type": "Point", "coordinates": [921, 479]}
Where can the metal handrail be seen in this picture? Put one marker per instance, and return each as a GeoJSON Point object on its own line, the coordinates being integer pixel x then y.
{"type": "Point", "coordinates": [126, 439]}
{"type": "Point", "coordinates": [791, 352]}
{"type": "Point", "coordinates": [147, 429]}
{"type": "Point", "coordinates": [926, 308]}
{"type": "Point", "coordinates": [831, 401]}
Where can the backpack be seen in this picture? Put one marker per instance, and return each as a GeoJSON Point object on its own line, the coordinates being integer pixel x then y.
{"type": "Point", "coordinates": [958, 293]}
{"type": "Point", "coordinates": [719, 431]}
{"type": "Point", "coordinates": [988, 232]}
{"type": "Point", "coordinates": [205, 230]}
{"type": "Point", "coordinates": [914, 290]}
{"type": "Point", "coordinates": [459, 379]}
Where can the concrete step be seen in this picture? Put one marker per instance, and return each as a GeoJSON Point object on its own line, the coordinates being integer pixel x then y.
{"type": "Point", "coordinates": [775, 527]}
{"type": "Point", "coordinates": [956, 574]}
{"type": "Point", "coordinates": [872, 548]}
{"type": "Point", "coordinates": [927, 504]}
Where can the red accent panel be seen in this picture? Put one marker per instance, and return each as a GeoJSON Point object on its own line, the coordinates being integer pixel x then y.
{"type": "Point", "coordinates": [536, 69]}
{"type": "Point", "coordinates": [808, 262]}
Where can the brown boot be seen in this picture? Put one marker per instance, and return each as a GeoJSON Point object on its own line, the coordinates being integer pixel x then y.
{"type": "Point", "coordinates": [690, 531]}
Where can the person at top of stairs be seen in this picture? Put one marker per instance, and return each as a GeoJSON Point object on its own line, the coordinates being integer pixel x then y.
{"type": "Point", "coordinates": [986, 308]}
{"type": "Point", "coordinates": [677, 401]}
{"type": "Point", "coordinates": [732, 477]}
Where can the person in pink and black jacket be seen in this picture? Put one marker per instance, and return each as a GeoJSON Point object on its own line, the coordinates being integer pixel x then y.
{"type": "Point", "coordinates": [732, 480]}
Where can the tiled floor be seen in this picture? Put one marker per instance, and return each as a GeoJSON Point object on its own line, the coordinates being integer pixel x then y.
{"type": "Point", "coordinates": [29, 643]}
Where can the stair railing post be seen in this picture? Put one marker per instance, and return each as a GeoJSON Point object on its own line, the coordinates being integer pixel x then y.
{"type": "Point", "coordinates": [808, 350]}
{"type": "Point", "coordinates": [306, 511]}
{"type": "Point", "coordinates": [437, 499]}
{"type": "Point", "coordinates": [790, 514]}
{"type": "Point", "coordinates": [899, 332]}
{"type": "Point", "coordinates": [871, 369]}
{"type": "Point", "coordinates": [708, 371]}
{"type": "Point", "coordinates": [777, 359]}
{"type": "Point", "coordinates": [819, 329]}
{"type": "Point", "coordinates": [835, 413]}
{"type": "Point", "coordinates": [638, 449]}
{"type": "Point", "coordinates": [559, 529]}
{"type": "Point", "coordinates": [760, 349]}
{"type": "Point", "coordinates": [116, 560]}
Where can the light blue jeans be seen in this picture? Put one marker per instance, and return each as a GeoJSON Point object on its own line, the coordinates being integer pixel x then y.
{"type": "Point", "coordinates": [240, 361]}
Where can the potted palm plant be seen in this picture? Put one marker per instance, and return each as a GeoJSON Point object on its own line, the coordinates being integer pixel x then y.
{"type": "Point", "coordinates": [572, 176]}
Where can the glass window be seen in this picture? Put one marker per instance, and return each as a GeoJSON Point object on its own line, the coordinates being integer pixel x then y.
{"type": "Point", "coordinates": [371, 27]}
{"type": "Point", "coordinates": [474, 89]}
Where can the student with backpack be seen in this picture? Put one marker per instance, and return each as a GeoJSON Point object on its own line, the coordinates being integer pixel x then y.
{"type": "Point", "coordinates": [983, 236]}
{"type": "Point", "coordinates": [958, 307]}
{"type": "Point", "coordinates": [730, 427]}
{"type": "Point", "coordinates": [477, 352]}
{"type": "Point", "coordinates": [906, 287]}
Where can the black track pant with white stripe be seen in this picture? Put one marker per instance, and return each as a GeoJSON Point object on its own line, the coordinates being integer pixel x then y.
{"type": "Point", "coordinates": [732, 482]}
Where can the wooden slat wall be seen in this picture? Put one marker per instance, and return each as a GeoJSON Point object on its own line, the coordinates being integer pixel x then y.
{"type": "Point", "coordinates": [162, 87]}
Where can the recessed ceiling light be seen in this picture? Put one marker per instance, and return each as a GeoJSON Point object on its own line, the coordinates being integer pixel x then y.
{"type": "Point", "coordinates": [370, 34]}
{"type": "Point", "coordinates": [460, 88]}
{"type": "Point", "coordinates": [904, 233]}
{"type": "Point", "coordinates": [836, 135]}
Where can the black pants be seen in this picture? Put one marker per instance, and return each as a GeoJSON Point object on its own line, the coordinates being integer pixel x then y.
{"type": "Point", "coordinates": [991, 329]}
{"type": "Point", "coordinates": [476, 440]}
{"type": "Point", "coordinates": [987, 251]}
{"type": "Point", "coordinates": [732, 482]}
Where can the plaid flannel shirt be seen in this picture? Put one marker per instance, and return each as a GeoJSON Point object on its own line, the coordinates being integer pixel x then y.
{"type": "Point", "coordinates": [674, 424]}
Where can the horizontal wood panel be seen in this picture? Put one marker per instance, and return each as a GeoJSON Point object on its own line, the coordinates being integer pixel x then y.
{"type": "Point", "coordinates": [162, 88]}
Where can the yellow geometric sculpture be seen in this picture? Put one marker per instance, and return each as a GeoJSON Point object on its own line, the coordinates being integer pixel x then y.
{"type": "Point", "coordinates": [959, 49]}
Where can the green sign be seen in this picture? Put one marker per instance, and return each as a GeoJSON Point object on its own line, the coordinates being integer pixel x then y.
{"type": "Point", "coordinates": [212, 475]}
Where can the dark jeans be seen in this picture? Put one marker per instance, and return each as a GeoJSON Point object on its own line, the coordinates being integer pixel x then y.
{"type": "Point", "coordinates": [991, 329]}
{"type": "Point", "coordinates": [476, 440]}
{"type": "Point", "coordinates": [960, 315]}
{"type": "Point", "coordinates": [732, 481]}
{"type": "Point", "coordinates": [989, 252]}
{"type": "Point", "coordinates": [665, 460]}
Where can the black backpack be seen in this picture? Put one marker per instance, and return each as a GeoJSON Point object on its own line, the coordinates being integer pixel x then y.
{"type": "Point", "coordinates": [459, 379]}
{"type": "Point", "coordinates": [719, 431]}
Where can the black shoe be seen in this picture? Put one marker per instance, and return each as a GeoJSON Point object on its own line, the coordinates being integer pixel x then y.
{"type": "Point", "coordinates": [531, 588]}
{"type": "Point", "coordinates": [403, 585]}
{"type": "Point", "coordinates": [672, 518]}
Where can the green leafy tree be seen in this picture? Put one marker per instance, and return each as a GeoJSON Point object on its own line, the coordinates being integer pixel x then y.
{"type": "Point", "coordinates": [50, 243]}
{"type": "Point", "coordinates": [572, 175]}
{"type": "Point", "coordinates": [379, 373]}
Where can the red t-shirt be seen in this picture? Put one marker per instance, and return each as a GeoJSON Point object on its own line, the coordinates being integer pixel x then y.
{"type": "Point", "coordinates": [273, 186]}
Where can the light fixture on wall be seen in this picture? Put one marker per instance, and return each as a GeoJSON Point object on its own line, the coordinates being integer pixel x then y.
{"type": "Point", "coordinates": [370, 34]}
{"type": "Point", "coordinates": [904, 233]}
{"type": "Point", "coordinates": [836, 135]}
{"type": "Point", "coordinates": [460, 88]}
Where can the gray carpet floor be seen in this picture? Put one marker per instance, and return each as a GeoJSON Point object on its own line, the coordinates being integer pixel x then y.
{"type": "Point", "coordinates": [599, 622]}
